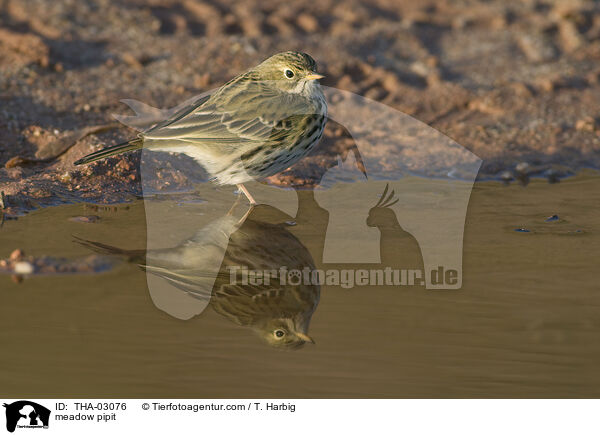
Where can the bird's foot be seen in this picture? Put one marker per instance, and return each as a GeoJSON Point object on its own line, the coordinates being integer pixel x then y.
{"type": "Point", "coordinates": [243, 218]}
{"type": "Point", "coordinates": [243, 189]}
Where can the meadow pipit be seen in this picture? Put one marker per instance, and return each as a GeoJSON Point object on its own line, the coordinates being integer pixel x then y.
{"type": "Point", "coordinates": [279, 312]}
{"type": "Point", "coordinates": [256, 125]}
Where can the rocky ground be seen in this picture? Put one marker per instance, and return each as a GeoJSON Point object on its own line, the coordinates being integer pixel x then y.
{"type": "Point", "coordinates": [516, 83]}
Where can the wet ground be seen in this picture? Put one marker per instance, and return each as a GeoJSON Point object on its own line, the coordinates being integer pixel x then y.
{"type": "Point", "coordinates": [515, 83]}
{"type": "Point", "coordinates": [524, 324]}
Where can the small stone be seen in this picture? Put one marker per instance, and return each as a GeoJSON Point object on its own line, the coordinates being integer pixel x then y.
{"type": "Point", "coordinates": [586, 124]}
{"type": "Point", "coordinates": [522, 167]}
{"type": "Point", "coordinates": [23, 268]}
{"type": "Point", "coordinates": [65, 177]}
{"type": "Point", "coordinates": [90, 219]}
{"type": "Point", "coordinates": [593, 78]}
{"type": "Point", "coordinates": [537, 48]}
{"type": "Point", "coordinates": [499, 23]}
{"type": "Point", "coordinates": [570, 37]}
{"type": "Point", "coordinates": [16, 255]}
{"type": "Point", "coordinates": [131, 60]}
{"type": "Point", "coordinates": [507, 176]}
{"type": "Point", "coordinates": [461, 22]}
{"type": "Point", "coordinates": [375, 93]}
{"type": "Point", "coordinates": [202, 81]}
{"type": "Point", "coordinates": [434, 79]}
{"type": "Point", "coordinates": [547, 84]}
{"type": "Point", "coordinates": [308, 23]}
{"type": "Point", "coordinates": [391, 83]}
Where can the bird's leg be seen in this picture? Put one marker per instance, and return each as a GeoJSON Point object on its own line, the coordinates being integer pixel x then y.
{"type": "Point", "coordinates": [243, 189]}
{"type": "Point", "coordinates": [243, 218]}
{"type": "Point", "coordinates": [235, 203]}
{"type": "Point", "coordinates": [237, 200]}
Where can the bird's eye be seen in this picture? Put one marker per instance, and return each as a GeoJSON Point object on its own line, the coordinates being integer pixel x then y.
{"type": "Point", "coordinates": [289, 73]}
{"type": "Point", "coordinates": [279, 333]}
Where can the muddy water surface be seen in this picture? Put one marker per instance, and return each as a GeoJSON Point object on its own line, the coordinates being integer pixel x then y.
{"type": "Point", "coordinates": [526, 322]}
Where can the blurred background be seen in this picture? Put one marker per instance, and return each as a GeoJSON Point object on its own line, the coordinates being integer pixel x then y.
{"type": "Point", "coordinates": [517, 83]}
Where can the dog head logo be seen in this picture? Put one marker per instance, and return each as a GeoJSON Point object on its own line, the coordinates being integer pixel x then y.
{"type": "Point", "coordinates": [26, 414]}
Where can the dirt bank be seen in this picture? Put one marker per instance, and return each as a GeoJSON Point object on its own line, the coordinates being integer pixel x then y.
{"type": "Point", "coordinates": [515, 83]}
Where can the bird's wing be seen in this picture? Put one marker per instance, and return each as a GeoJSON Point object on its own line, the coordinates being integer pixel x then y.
{"type": "Point", "coordinates": [246, 304]}
{"type": "Point", "coordinates": [181, 113]}
{"type": "Point", "coordinates": [237, 303]}
{"type": "Point", "coordinates": [196, 282]}
{"type": "Point", "coordinates": [241, 112]}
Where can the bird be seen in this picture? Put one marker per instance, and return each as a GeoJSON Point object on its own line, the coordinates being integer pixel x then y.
{"type": "Point", "coordinates": [278, 311]}
{"type": "Point", "coordinates": [254, 126]}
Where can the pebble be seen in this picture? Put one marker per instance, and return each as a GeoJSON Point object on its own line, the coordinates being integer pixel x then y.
{"type": "Point", "coordinates": [586, 124]}
{"type": "Point", "coordinates": [131, 60]}
{"type": "Point", "coordinates": [65, 177]}
{"type": "Point", "coordinates": [391, 83]}
{"type": "Point", "coordinates": [308, 23]}
{"type": "Point", "coordinates": [16, 255]}
{"type": "Point", "coordinates": [23, 268]}
{"type": "Point", "coordinates": [570, 37]}
{"type": "Point", "coordinates": [507, 176]}
{"type": "Point", "coordinates": [537, 48]}
{"type": "Point", "coordinates": [90, 219]}
{"type": "Point", "coordinates": [522, 167]}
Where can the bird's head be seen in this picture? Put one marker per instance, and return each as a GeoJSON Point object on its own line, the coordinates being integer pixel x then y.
{"type": "Point", "coordinates": [284, 333]}
{"type": "Point", "coordinates": [290, 71]}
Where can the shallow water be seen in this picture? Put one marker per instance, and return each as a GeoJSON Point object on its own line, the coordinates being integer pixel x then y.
{"type": "Point", "coordinates": [525, 323]}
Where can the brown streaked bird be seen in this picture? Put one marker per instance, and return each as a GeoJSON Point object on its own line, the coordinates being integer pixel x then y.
{"type": "Point", "coordinates": [256, 125]}
{"type": "Point", "coordinates": [279, 313]}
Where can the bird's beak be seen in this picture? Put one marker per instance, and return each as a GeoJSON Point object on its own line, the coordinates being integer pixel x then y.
{"type": "Point", "coordinates": [305, 337]}
{"type": "Point", "coordinates": [314, 77]}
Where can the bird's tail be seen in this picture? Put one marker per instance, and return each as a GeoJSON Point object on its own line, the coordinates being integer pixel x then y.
{"type": "Point", "coordinates": [132, 255]}
{"type": "Point", "coordinates": [130, 145]}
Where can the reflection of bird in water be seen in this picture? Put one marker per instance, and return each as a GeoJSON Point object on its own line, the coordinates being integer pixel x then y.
{"type": "Point", "coordinates": [279, 313]}
{"type": "Point", "coordinates": [397, 246]}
